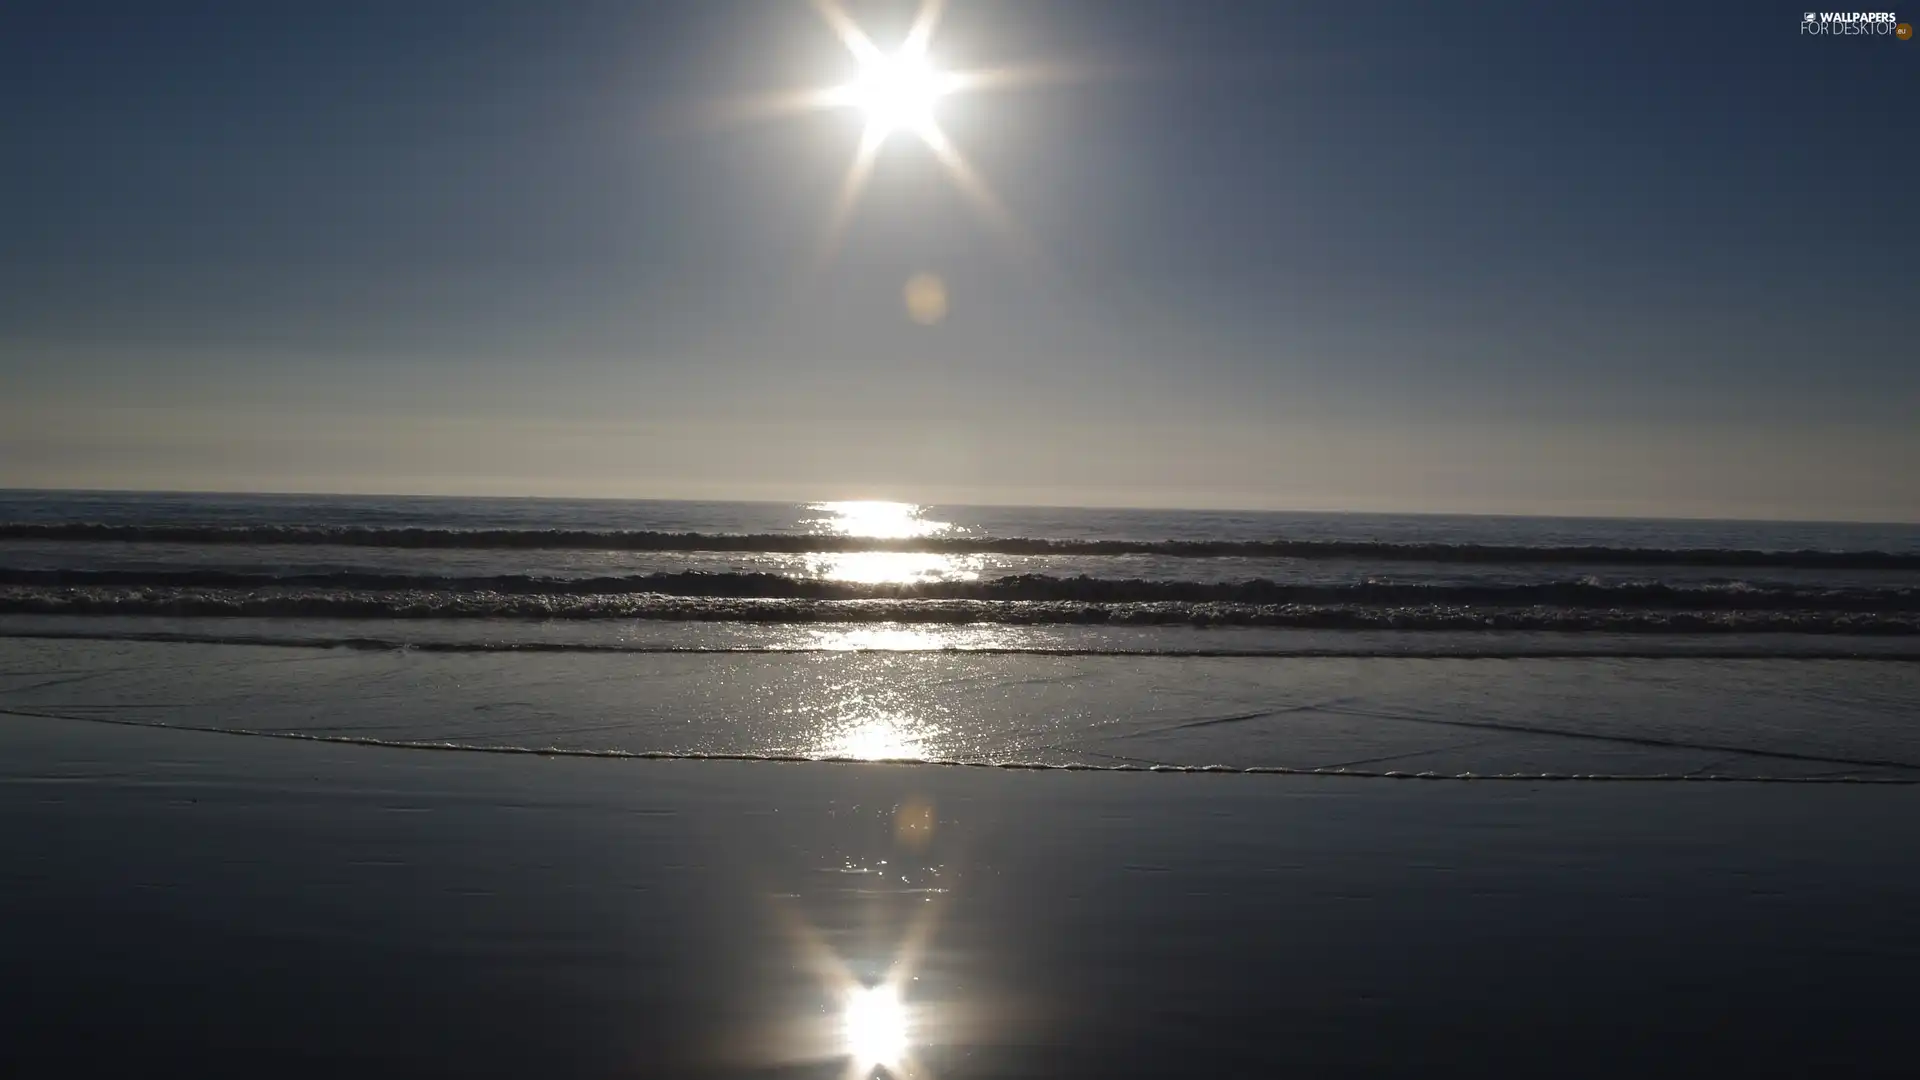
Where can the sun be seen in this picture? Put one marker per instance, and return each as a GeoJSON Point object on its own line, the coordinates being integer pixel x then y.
{"type": "Point", "coordinates": [897, 93]}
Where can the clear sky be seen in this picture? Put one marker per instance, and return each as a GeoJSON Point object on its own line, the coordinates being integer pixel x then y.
{"type": "Point", "coordinates": [1537, 258]}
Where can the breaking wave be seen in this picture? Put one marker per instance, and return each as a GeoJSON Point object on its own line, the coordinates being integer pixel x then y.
{"type": "Point", "coordinates": [1518, 650]}
{"type": "Point", "coordinates": [801, 543]}
{"type": "Point", "coordinates": [477, 604]}
{"type": "Point", "coordinates": [1724, 596]}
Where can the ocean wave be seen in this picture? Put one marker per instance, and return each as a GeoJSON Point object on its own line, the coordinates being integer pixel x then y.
{"type": "Point", "coordinates": [1514, 651]}
{"type": "Point", "coordinates": [427, 604]}
{"type": "Point", "coordinates": [1583, 593]}
{"type": "Point", "coordinates": [808, 543]}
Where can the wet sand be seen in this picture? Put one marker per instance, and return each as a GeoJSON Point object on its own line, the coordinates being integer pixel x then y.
{"type": "Point", "coordinates": [222, 905]}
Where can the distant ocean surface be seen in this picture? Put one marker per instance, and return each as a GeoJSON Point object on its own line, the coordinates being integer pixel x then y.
{"type": "Point", "coordinates": [1061, 636]}
{"type": "Point", "coordinates": [199, 556]}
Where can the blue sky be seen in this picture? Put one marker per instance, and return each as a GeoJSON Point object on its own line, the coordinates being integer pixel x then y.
{"type": "Point", "coordinates": [1512, 259]}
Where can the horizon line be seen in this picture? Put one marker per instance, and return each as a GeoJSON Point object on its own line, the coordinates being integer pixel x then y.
{"type": "Point", "coordinates": [1217, 508]}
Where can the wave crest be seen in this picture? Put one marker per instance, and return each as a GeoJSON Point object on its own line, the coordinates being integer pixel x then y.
{"type": "Point", "coordinates": [1585, 592]}
{"type": "Point", "coordinates": [419, 604]}
{"type": "Point", "coordinates": [807, 543]}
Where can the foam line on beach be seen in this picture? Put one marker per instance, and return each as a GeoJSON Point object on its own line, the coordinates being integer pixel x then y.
{"type": "Point", "coordinates": [1027, 766]}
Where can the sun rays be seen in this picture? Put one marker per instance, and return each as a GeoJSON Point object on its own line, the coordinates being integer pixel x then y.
{"type": "Point", "coordinates": [876, 1020]}
{"type": "Point", "coordinates": [898, 92]}
{"type": "Point", "coordinates": [905, 75]}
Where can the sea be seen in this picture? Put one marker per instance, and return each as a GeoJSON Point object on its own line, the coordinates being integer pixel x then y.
{"type": "Point", "coordinates": [1373, 646]}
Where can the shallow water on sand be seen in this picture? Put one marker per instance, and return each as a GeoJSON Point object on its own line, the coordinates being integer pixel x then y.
{"type": "Point", "coordinates": [1610, 716]}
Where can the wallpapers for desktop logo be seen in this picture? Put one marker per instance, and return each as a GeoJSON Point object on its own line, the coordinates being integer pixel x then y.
{"type": "Point", "coordinates": [1853, 23]}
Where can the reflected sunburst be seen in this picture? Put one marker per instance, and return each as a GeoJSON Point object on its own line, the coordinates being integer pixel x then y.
{"type": "Point", "coordinates": [874, 1027]}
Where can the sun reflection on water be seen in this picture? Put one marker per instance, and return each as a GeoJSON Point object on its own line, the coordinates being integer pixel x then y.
{"type": "Point", "coordinates": [908, 637]}
{"type": "Point", "coordinates": [877, 519]}
{"type": "Point", "coordinates": [888, 638]}
{"type": "Point", "coordinates": [877, 1017]}
{"type": "Point", "coordinates": [893, 567]}
{"type": "Point", "coordinates": [875, 737]}
{"type": "Point", "coordinates": [874, 1027]}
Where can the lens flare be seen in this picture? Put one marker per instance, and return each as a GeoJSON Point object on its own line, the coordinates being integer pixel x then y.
{"type": "Point", "coordinates": [926, 299]}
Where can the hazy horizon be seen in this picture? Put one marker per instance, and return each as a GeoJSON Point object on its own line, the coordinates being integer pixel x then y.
{"type": "Point", "coordinates": [1621, 262]}
{"type": "Point", "coordinates": [888, 498]}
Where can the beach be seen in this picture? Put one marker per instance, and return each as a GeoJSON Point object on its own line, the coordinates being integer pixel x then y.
{"type": "Point", "coordinates": [947, 540]}
{"type": "Point", "coordinates": [390, 786]}
{"type": "Point", "coordinates": [930, 540]}
{"type": "Point", "coordinates": [223, 904]}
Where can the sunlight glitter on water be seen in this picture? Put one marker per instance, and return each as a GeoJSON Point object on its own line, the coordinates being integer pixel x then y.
{"type": "Point", "coordinates": [875, 736]}
{"type": "Point", "coordinates": [885, 521]}
{"type": "Point", "coordinates": [884, 638]}
{"type": "Point", "coordinates": [876, 518]}
{"type": "Point", "coordinates": [894, 567]}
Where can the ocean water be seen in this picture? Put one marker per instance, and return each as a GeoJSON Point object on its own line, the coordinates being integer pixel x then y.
{"type": "Point", "coordinates": [1377, 645]}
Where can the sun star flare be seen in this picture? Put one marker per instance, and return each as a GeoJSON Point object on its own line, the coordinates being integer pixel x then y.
{"type": "Point", "coordinates": [897, 92]}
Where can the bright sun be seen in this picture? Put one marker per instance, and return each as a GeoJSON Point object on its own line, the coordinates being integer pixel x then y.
{"type": "Point", "coordinates": [900, 91]}
{"type": "Point", "coordinates": [897, 92]}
